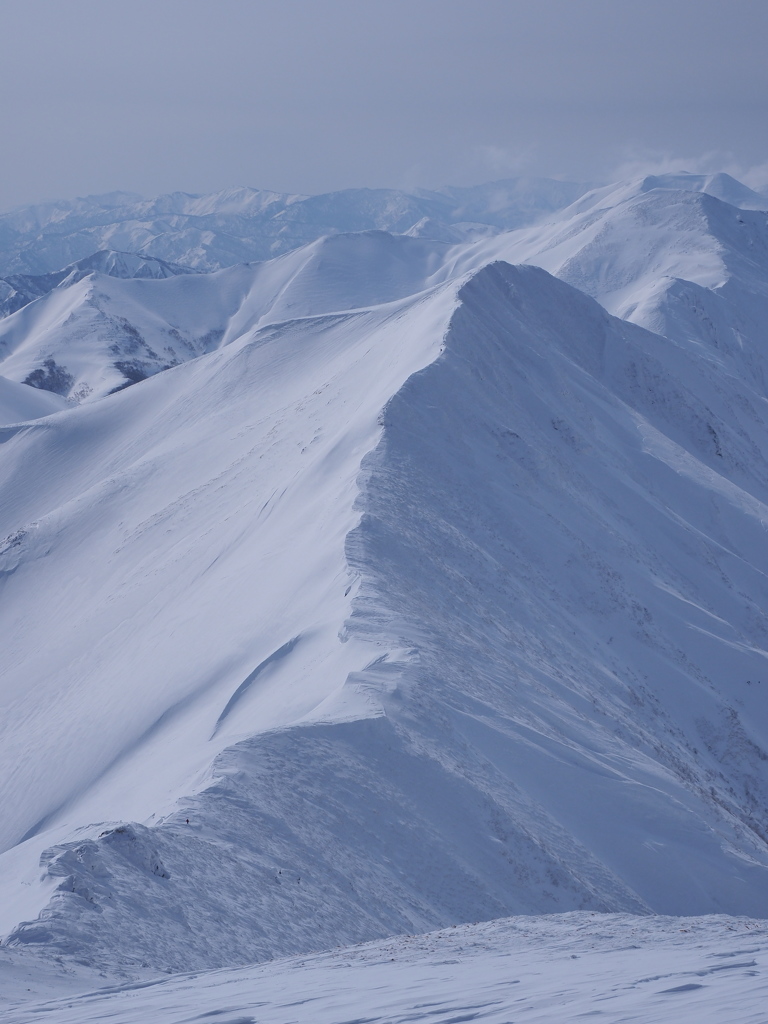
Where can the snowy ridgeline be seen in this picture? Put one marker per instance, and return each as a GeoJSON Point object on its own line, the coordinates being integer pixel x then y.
{"type": "Point", "coordinates": [175, 232]}
{"type": "Point", "coordinates": [549, 970]}
{"type": "Point", "coordinates": [405, 588]}
{"type": "Point", "coordinates": [678, 260]}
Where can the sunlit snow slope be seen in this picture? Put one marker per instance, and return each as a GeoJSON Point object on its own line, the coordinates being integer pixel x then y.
{"type": "Point", "coordinates": [100, 333]}
{"type": "Point", "coordinates": [424, 588]}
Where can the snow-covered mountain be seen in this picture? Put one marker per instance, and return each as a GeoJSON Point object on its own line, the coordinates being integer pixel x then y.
{"type": "Point", "coordinates": [407, 587]}
{"type": "Point", "coordinates": [100, 333]}
{"type": "Point", "coordinates": [18, 290]}
{"type": "Point", "coordinates": [629, 244]}
{"type": "Point", "coordinates": [678, 261]}
{"type": "Point", "coordinates": [237, 225]}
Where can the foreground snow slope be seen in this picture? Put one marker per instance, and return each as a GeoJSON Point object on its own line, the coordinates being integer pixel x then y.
{"type": "Point", "coordinates": [549, 970]}
{"type": "Point", "coordinates": [421, 614]}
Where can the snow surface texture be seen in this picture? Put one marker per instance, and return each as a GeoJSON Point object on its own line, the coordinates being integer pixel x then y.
{"type": "Point", "coordinates": [425, 588]}
{"type": "Point", "coordinates": [546, 970]}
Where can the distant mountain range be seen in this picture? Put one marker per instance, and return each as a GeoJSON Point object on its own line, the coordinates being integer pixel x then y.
{"type": "Point", "coordinates": [242, 225]}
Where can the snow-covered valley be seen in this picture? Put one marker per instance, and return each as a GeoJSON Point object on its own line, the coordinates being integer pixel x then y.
{"type": "Point", "coordinates": [392, 584]}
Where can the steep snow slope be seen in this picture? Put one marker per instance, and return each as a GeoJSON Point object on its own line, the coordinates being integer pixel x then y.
{"type": "Point", "coordinates": [158, 656]}
{"type": "Point", "coordinates": [563, 967]}
{"type": "Point", "coordinates": [513, 666]}
{"type": "Point", "coordinates": [95, 334]}
{"type": "Point", "coordinates": [238, 225]}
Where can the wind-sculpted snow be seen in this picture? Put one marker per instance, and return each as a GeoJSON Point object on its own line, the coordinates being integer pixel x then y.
{"type": "Point", "coordinates": [420, 590]}
{"type": "Point", "coordinates": [516, 667]}
{"type": "Point", "coordinates": [560, 968]}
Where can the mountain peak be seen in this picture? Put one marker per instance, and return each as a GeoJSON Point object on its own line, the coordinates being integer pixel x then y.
{"type": "Point", "coordinates": [387, 583]}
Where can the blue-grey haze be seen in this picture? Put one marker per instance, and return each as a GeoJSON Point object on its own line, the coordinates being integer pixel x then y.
{"type": "Point", "coordinates": [156, 95]}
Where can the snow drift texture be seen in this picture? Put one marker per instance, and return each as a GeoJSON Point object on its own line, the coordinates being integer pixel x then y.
{"type": "Point", "coordinates": [548, 969]}
{"type": "Point", "coordinates": [426, 589]}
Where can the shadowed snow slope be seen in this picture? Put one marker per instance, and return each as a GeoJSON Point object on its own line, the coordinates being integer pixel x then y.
{"type": "Point", "coordinates": [442, 610]}
{"type": "Point", "coordinates": [19, 402]}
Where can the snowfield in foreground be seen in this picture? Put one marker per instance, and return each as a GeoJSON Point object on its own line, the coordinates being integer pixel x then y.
{"type": "Point", "coordinates": [543, 970]}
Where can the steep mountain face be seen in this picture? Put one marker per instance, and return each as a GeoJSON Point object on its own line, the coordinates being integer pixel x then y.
{"type": "Point", "coordinates": [420, 590]}
{"type": "Point", "coordinates": [242, 224]}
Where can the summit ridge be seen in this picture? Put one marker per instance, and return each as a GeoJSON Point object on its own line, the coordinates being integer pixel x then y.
{"type": "Point", "coordinates": [390, 583]}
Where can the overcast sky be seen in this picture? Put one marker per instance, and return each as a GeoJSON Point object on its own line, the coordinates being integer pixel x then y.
{"type": "Point", "coordinates": [314, 95]}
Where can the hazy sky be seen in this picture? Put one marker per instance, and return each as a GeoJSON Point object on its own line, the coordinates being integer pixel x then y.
{"type": "Point", "coordinates": [314, 95]}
